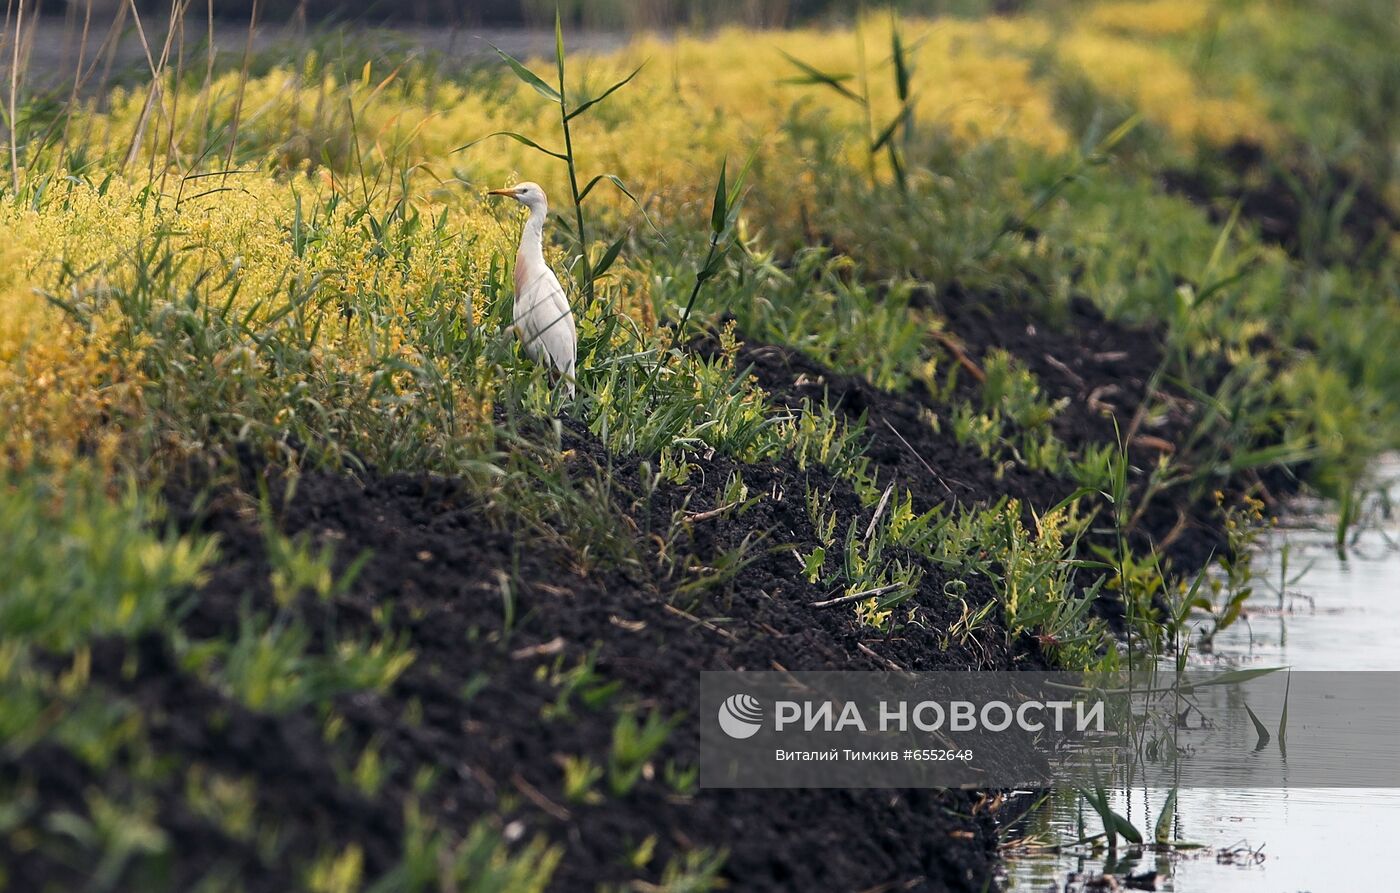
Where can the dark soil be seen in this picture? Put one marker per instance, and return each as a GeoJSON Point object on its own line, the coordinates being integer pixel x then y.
{"type": "Point", "coordinates": [1102, 370]}
{"type": "Point", "coordinates": [1291, 204]}
{"type": "Point", "coordinates": [437, 562]}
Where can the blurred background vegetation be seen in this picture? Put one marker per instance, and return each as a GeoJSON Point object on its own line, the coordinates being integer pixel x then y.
{"type": "Point", "coordinates": [628, 14]}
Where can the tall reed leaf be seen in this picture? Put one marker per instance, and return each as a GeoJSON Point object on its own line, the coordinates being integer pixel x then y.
{"type": "Point", "coordinates": [528, 76]}
{"type": "Point", "coordinates": [606, 93]}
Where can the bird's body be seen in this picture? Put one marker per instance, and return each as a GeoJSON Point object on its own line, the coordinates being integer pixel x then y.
{"type": "Point", "coordinates": [543, 320]}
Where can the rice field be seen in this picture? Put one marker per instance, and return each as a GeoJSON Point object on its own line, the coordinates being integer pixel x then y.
{"type": "Point", "coordinates": [983, 341]}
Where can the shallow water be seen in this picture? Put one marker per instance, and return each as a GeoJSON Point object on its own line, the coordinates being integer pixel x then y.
{"type": "Point", "coordinates": [1342, 614]}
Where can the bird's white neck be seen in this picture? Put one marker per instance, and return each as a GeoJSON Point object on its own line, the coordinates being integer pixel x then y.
{"type": "Point", "coordinates": [532, 238]}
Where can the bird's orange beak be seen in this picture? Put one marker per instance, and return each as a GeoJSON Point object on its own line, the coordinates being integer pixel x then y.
{"type": "Point", "coordinates": [510, 192]}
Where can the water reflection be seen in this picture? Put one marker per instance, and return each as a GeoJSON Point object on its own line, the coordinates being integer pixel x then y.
{"type": "Point", "coordinates": [1344, 614]}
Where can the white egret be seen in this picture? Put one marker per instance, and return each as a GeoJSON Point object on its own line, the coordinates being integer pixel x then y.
{"type": "Point", "coordinates": [543, 321]}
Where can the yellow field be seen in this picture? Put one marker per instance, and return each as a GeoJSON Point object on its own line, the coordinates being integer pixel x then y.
{"type": "Point", "coordinates": [305, 136]}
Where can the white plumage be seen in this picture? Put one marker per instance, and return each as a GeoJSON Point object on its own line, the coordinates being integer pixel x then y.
{"type": "Point", "coordinates": [543, 320]}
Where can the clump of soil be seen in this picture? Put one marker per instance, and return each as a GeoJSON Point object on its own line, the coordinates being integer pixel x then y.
{"type": "Point", "coordinates": [1290, 204]}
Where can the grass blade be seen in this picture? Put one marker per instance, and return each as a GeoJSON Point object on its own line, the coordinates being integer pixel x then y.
{"type": "Point", "coordinates": [609, 256]}
{"type": "Point", "coordinates": [1222, 241]}
{"type": "Point", "coordinates": [1233, 677]}
{"type": "Point", "coordinates": [738, 184]}
{"type": "Point", "coordinates": [889, 130]}
{"type": "Point", "coordinates": [613, 179]}
{"type": "Point", "coordinates": [622, 187]}
{"type": "Point", "coordinates": [1126, 828]}
{"type": "Point", "coordinates": [1162, 831]}
{"type": "Point", "coordinates": [519, 138]}
{"type": "Point", "coordinates": [1113, 823]}
{"type": "Point", "coordinates": [559, 49]}
{"type": "Point", "coordinates": [817, 76]}
{"type": "Point", "coordinates": [903, 74]}
{"type": "Point", "coordinates": [1119, 133]}
{"type": "Point", "coordinates": [528, 76]}
{"type": "Point", "coordinates": [1259, 729]}
{"type": "Point", "coordinates": [719, 211]}
{"type": "Point", "coordinates": [606, 93]}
